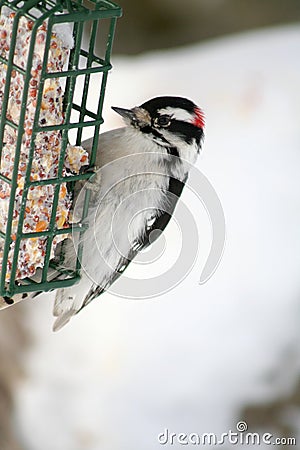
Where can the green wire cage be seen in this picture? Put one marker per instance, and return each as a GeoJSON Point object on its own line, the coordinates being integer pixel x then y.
{"type": "Point", "coordinates": [24, 86]}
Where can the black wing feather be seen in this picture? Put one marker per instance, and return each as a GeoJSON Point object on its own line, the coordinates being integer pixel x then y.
{"type": "Point", "coordinates": [163, 218]}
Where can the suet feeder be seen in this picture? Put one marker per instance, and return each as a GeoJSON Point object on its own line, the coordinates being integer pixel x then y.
{"type": "Point", "coordinates": [44, 57]}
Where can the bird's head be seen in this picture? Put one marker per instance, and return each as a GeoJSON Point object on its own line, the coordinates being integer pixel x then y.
{"type": "Point", "coordinates": [175, 124]}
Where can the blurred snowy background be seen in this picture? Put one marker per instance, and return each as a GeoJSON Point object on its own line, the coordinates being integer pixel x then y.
{"type": "Point", "coordinates": [199, 358]}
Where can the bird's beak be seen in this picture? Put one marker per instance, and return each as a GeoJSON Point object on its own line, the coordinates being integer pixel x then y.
{"type": "Point", "coordinates": [126, 113]}
{"type": "Point", "coordinates": [137, 116]}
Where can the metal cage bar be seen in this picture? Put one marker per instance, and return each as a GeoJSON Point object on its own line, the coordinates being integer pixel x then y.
{"type": "Point", "coordinates": [52, 12]}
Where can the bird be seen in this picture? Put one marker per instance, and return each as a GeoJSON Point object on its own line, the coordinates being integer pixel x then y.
{"type": "Point", "coordinates": [141, 171]}
{"type": "Point", "coordinates": [139, 174]}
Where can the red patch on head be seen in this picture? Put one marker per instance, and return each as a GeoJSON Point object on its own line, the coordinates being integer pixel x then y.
{"type": "Point", "coordinates": [199, 120]}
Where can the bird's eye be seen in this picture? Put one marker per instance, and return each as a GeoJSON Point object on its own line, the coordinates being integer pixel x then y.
{"type": "Point", "coordinates": [162, 121]}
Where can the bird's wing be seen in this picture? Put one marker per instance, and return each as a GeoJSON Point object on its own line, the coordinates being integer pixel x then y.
{"type": "Point", "coordinates": [163, 218]}
{"type": "Point", "coordinates": [160, 222]}
{"type": "Point", "coordinates": [69, 302]}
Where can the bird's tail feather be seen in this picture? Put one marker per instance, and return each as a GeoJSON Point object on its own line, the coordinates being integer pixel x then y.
{"type": "Point", "coordinates": [68, 301]}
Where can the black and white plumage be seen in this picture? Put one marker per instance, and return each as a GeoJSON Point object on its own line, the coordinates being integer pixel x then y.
{"type": "Point", "coordinates": [142, 171]}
